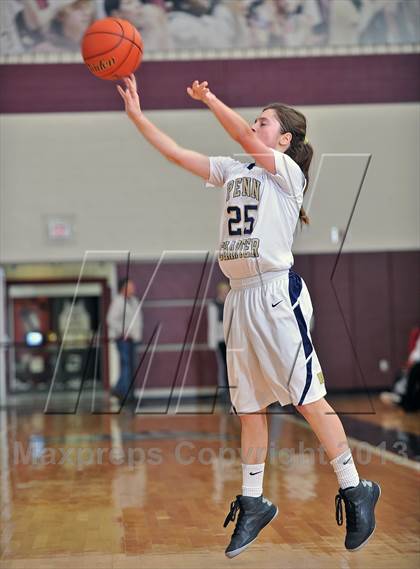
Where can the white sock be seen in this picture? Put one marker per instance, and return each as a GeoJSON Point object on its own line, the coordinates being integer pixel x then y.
{"type": "Point", "coordinates": [345, 470]}
{"type": "Point", "coordinates": [252, 479]}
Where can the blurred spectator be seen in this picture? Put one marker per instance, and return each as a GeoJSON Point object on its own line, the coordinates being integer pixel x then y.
{"type": "Point", "coordinates": [208, 24]}
{"type": "Point", "coordinates": [232, 18]}
{"type": "Point", "coordinates": [321, 29]}
{"type": "Point", "coordinates": [9, 38]}
{"type": "Point", "coordinates": [266, 24]}
{"type": "Point", "coordinates": [216, 339]}
{"type": "Point", "coordinates": [409, 18]}
{"type": "Point", "coordinates": [406, 389]}
{"type": "Point", "coordinates": [371, 22]}
{"type": "Point", "coordinates": [374, 19]}
{"type": "Point", "coordinates": [31, 20]}
{"type": "Point", "coordinates": [125, 325]}
{"type": "Point", "coordinates": [39, 13]}
{"type": "Point", "coordinates": [54, 26]}
{"type": "Point", "coordinates": [385, 22]}
{"type": "Point", "coordinates": [70, 23]}
{"type": "Point", "coordinates": [344, 16]}
{"type": "Point", "coordinates": [191, 23]}
{"type": "Point", "coordinates": [301, 20]}
{"type": "Point", "coordinates": [149, 18]}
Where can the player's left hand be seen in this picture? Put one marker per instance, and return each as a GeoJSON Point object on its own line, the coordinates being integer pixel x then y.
{"type": "Point", "coordinates": [130, 96]}
{"type": "Point", "coordinates": [199, 91]}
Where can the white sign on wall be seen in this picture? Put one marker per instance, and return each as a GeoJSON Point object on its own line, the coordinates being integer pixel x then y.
{"type": "Point", "coordinates": [60, 228]}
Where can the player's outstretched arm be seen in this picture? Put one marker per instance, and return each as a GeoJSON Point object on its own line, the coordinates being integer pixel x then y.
{"type": "Point", "coordinates": [235, 125]}
{"type": "Point", "coordinates": [192, 161]}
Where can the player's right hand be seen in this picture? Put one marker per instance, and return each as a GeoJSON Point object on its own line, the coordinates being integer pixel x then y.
{"type": "Point", "coordinates": [130, 96]}
{"type": "Point", "coordinates": [199, 91]}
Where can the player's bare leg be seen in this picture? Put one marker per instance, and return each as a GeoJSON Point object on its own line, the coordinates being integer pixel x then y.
{"type": "Point", "coordinates": [255, 511]}
{"type": "Point", "coordinates": [254, 437]}
{"type": "Point", "coordinates": [326, 425]}
{"type": "Point", "coordinates": [359, 496]}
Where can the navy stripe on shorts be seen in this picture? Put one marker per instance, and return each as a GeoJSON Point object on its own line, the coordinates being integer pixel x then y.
{"type": "Point", "coordinates": [295, 288]}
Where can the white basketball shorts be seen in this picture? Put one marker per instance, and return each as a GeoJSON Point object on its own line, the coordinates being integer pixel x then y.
{"type": "Point", "coordinates": [270, 355]}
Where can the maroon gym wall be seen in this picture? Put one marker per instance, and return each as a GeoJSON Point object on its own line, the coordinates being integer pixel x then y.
{"type": "Point", "coordinates": [378, 296]}
{"type": "Point", "coordinates": [28, 88]}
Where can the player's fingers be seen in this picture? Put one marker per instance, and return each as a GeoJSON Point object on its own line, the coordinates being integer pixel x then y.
{"type": "Point", "coordinates": [121, 91]}
{"type": "Point", "coordinates": [134, 80]}
{"type": "Point", "coordinates": [132, 83]}
{"type": "Point", "coordinates": [129, 83]}
{"type": "Point", "coordinates": [191, 93]}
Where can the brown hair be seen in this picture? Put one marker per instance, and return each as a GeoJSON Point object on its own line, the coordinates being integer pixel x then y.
{"type": "Point", "coordinates": [300, 150]}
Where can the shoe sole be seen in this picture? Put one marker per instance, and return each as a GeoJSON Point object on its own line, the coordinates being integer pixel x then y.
{"type": "Point", "coordinates": [374, 527]}
{"type": "Point", "coordinates": [235, 552]}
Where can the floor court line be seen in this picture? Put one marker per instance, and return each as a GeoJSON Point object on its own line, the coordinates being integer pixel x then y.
{"type": "Point", "coordinates": [392, 457]}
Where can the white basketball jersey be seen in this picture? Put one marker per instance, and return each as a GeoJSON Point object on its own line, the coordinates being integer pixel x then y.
{"type": "Point", "coordinates": [259, 216]}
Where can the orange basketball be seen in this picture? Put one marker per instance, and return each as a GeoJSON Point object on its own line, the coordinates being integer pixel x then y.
{"type": "Point", "coordinates": [112, 48]}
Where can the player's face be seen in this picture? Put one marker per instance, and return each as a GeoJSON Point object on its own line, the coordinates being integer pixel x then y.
{"type": "Point", "coordinates": [267, 128]}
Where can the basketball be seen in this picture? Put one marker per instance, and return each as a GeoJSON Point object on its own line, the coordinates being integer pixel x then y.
{"type": "Point", "coordinates": [112, 48]}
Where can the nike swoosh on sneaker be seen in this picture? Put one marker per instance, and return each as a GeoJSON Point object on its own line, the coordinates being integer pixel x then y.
{"type": "Point", "coordinates": [252, 473]}
{"type": "Point", "coordinates": [273, 305]}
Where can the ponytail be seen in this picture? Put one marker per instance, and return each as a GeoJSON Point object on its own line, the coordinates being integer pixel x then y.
{"type": "Point", "coordinates": [300, 150]}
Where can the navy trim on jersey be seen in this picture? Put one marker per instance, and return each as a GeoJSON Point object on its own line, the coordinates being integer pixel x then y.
{"type": "Point", "coordinates": [295, 288]}
{"type": "Point", "coordinates": [250, 166]}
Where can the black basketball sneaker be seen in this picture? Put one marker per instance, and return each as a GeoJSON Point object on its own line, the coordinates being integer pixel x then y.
{"type": "Point", "coordinates": [254, 515]}
{"type": "Point", "coordinates": [359, 502]}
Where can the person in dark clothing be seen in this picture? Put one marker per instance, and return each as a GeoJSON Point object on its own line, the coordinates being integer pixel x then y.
{"type": "Point", "coordinates": [125, 326]}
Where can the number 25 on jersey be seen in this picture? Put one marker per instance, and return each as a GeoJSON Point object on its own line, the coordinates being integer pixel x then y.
{"type": "Point", "coordinates": [237, 216]}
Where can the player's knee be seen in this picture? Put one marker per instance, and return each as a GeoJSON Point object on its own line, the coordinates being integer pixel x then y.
{"type": "Point", "coordinates": [311, 409]}
{"type": "Point", "coordinates": [302, 409]}
{"type": "Point", "coordinates": [252, 420]}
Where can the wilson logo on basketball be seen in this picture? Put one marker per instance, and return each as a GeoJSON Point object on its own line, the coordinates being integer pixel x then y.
{"type": "Point", "coordinates": [102, 65]}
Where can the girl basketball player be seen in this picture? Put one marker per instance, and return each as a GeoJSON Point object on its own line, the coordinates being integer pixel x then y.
{"type": "Point", "coordinates": [267, 313]}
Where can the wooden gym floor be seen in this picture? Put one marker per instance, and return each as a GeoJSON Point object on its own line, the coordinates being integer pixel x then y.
{"type": "Point", "coordinates": [146, 491]}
